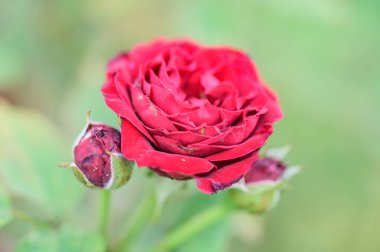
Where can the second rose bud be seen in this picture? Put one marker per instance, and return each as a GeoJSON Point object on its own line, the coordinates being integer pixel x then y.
{"type": "Point", "coordinates": [98, 161]}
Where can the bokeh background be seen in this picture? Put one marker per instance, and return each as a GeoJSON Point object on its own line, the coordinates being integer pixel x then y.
{"type": "Point", "coordinates": [322, 58]}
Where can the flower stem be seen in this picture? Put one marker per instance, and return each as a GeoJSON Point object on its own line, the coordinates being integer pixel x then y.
{"type": "Point", "coordinates": [104, 208]}
{"type": "Point", "coordinates": [193, 226]}
{"type": "Point", "coordinates": [141, 216]}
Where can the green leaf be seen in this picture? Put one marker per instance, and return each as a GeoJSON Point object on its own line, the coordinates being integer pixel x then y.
{"type": "Point", "coordinates": [5, 208]}
{"type": "Point", "coordinates": [11, 65]}
{"type": "Point", "coordinates": [44, 240]}
{"type": "Point", "coordinates": [87, 96]}
{"type": "Point", "coordinates": [213, 239]}
{"type": "Point", "coordinates": [72, 240]}
{"type": "Point", "coordinates": [64, 240]}
{"type": "Point", "coordinates": [32, 148]}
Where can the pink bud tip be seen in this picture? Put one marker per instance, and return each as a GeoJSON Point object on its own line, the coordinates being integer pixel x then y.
{"type": "Point", "coordinates": [266, 169]}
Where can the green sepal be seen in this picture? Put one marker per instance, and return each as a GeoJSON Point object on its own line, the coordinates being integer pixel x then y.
{"type": "Point", "coordinates": [259, 198]}
{"type": "Point", "coordinates": [81, 178]}
{"type": "Point", "coordinates": [121, 169]}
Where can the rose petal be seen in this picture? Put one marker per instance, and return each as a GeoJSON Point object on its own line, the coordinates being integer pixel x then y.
{"type": "Point", "coordinates": [148, 112]}
{"type": "Point", "coordinates": [122, 108]}
{"type": "Point", "coordinates": [251, 144]}
{"type": "Point", "coordinates": [136, 147]}
{"type": "Point", "coordinates": [174, 146]}
{"type": "Point", "coordinates": [121, 64]}
{"type": "Point", "coordinates": [225, 176]}
{"type": "Point", "coordinates": [183, 137]}
{"type": "Point", "coordinates": [232, 135]}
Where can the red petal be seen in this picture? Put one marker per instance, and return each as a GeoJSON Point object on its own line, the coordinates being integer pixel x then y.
{"type": "Point", "coordinates": [233, 135]}
{"type": "Point", "coordinates": [226, 176]}
{"type": "Point", "coordinates": [136, 147]}
{"type": "Point", "coordinates": [183, 137]}
{"type": "Point", "coordinates": [122, 107]}
{"type": "Point", "coordinates": [251, 144]}
{"type": "Point", "coordinates": [148, 112]}
{"type": "Point", "coordinates": [174, 146]}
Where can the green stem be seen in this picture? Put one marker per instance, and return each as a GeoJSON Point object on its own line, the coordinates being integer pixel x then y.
{"type": "Point", "coordinates": [193, 226]}
{"type": "Point", "coordinates": [139, 220]}
{"type": "Point", "coordinates": [104, 208]}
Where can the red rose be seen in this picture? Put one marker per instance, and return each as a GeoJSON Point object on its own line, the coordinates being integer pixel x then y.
{"type": "Point", "coordinates": [190, 111]}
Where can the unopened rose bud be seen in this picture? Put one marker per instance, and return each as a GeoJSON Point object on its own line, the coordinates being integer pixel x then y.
{"type": "Point", "coordinates": [261, 187]}
{"type": "Point", "coordinates": [266, 169]}
{"type": "Point", "coordinates": [98, 162]}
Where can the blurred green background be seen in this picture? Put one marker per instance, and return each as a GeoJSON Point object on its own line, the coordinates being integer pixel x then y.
{"type": "Point", "coordinates": [322, 58]}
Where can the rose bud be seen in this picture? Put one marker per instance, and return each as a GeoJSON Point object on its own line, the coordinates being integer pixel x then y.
{"type": "Point", "coordinates": [266, 169]}
{"type": "Point", "coordinates": [98, 162]}
{"type": "Point", "coordinates": [261, 187]}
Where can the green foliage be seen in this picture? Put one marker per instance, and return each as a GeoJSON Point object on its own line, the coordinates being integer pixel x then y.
{"type": "Point", "coordinates": [65, 240]}
{"type": "Point", "coordinates": [213, 239]}
{"type": "Point", "coordinates": [5, 208]}
{"type": "Point", "coordinates": [73, 240]}
{"type": "Point", "coordinates": [38, 241]}
{"type": "Point", "coordinates": [33, 148]}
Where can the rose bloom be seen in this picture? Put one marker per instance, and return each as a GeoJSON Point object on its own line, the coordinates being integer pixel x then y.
{"type": "Point", "coordinates": [191, 111]}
